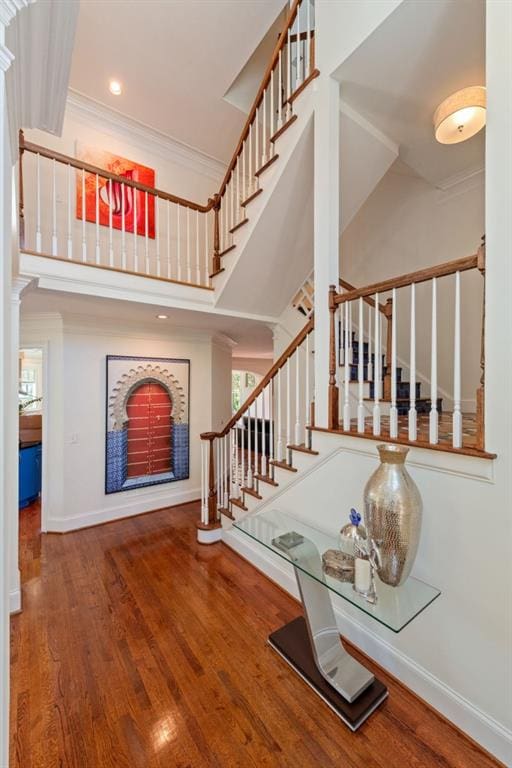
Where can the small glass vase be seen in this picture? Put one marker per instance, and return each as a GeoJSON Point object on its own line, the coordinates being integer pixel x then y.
{"type": "Point", "coordinates": [393, 512]}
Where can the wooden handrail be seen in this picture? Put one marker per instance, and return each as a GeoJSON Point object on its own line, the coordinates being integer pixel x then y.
{"type": "Point", "coordinates": [349, 287]}
{"type": "Point", "coordinates": [290, 349]}
{"type": "Point", "coordinates": [28, 146]}
{"type": "Point", "coordinates": [421, 276]}
{"type": "Point", "coordinates": [265, 81]}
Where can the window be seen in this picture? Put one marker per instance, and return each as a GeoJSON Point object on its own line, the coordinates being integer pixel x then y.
{"type": "Point", "coordinates": [236, 391]}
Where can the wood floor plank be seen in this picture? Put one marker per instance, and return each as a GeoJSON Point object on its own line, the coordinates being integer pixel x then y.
{"type": "Point", "coordinates": [139, 647]}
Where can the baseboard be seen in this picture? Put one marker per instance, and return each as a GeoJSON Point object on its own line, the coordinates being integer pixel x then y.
{"type": "Point", "coordinates": [486, 731]}
{"type": "Point", "coordinates": [15, 601]}
{"type": "Point", "coordinates": [136, 506]}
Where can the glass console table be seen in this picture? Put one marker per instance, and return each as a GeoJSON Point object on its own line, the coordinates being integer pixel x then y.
{"type": "Point", "coordinates": [311, 643]}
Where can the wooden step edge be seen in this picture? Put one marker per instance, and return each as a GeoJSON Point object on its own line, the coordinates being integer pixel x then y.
{"type": "Point", "coordinates": [283, 128]}
{"type": "Point", "coordinates": [303, 85]}
{"type": "Point", "coordinates": [384, 438]}
{"type": "Point", "coordinates": [240, 224]}
{"type": "Point", "coordinates": [227, 250]}
{"type": "Point", "coordinates": [214, 274]}
{"type": "Point", "coordinates": [209, 526]}
{"type": "Point", "coordinates": [266, 479]}
{"type": "Point", "coordinates": [302, 448]}
{"type": "Point", "coordinates": [283, 465]}
{"type": "Point", "coordinates": [251, 197]}
{"type": "Point", "coordinates": [227, 512]}
{"type": "Point", "coordinates": [251, 492]}
{"type": "Point", "coordinates": [267, 165]}
{"type": "Point", "coordinates": [238, 504]}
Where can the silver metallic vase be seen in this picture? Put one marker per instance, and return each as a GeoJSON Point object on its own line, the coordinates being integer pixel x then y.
{"type": "Point", "coordinates": [392, 512]}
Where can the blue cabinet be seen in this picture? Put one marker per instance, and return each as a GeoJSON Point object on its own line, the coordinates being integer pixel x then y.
{"type": "Point", "coordinates": [29, 474]}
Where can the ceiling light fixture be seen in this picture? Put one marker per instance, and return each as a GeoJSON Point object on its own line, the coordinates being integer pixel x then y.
{"type": "Point", "coordinates": [461, 115]}
{"type": "Point", "coordinates": [115, 87]}
{"type": "Point", "coordinates": [162, 317]}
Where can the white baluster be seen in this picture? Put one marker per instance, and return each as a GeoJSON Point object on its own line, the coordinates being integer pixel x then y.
{"type": "Point", "coordinates": [264, 156]}
{"type": "Point", "coordinates": [257, 142]}
{"type": "Point", "coordinates": [280, 91]}
{"type": "Point", "coordinates": [227, 469]}
{"type": "Point", "coordinates": [97, 219]}
{"type": "Point", "coordinates": [297, 397]}
{"type": "Point", "coordinates": [70, 231]}
{"type": "Point", "coordinates": [178, 243]}
{"type": "Point", "coordinates": [123, 227]}
{"type": "Point", "coordinates": [413, 420]}
{"type": "Point", "coordinates": [39, 239]}
{"type": "Point", "coordinates": [110, 227]}
{"type": "Point", "coordinates": [360, 367]}
{"type": "Point", "coordinates": [393, 411]}
{"type": "Point", "coordinates": [204, 484]}
{"type": "Point", "coordinates": [280, 452]}
{"type": "Point", "coordinates": [272, 108]}
{"type": "Point", "coordinates": [297, 50]}
{"type": "Point", "coordinates": [369, 370]}
{"type": "Point", "coordinates": [237, 461]}
{"type": "Point", "coordinates": [288, 412]}
{"type": "Point", "coordinates": [256, 439]}
{"type": "Point", "coordinates": [157, 236]}
{"type": "Point", "coordinates": [135, 233]}
{"type": "Point", "coordinates": [347, 369]}
{"type": "Point", "coordinates": [307, 419]}
{"type": "Point", "coordinates": [376, 370]}
{"type": "Point", "coordinates": [263, 433]}
{"type": "Point", "coordinates": [271, 428]}
{"type": "Point", "coordinates": [146, 232]}
{"type": "Point", "coordinates": [217, 470]}
{"type": "Point", "coordinates": [434, 416]}
{"type": "Point", "coordinates": [244, 177]}
{"type": "Point", "coordinates": [84, 241]}
{"type": "Point", "coordinates": [251, 168]}
{"type": "Point", "coordinates": [168, 233]}
{"type": "Point", "coordinates": [187, 236]}
{"type": "Point", "coordinates": [288, 75]}
{"type": "Point", "coordinates": [198, 264]}
{"type": "Point", "coordinates": [457, 415]}
{"type": "Point", "coordinates": [308, 38]}
{"type": "Point", "coordinates": [54, 210]}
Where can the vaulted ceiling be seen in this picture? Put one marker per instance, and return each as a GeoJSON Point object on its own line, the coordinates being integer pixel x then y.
{"type": "Point", "coordinates": [175, 58]}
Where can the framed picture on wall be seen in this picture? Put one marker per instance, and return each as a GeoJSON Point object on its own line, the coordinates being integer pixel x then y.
{"type": "Point", "coordinates": [147, 421]}
{"type": "Point", "coordinates": [114, 198]}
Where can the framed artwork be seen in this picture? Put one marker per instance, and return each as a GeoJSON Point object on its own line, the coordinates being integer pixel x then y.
{"type": "Point", "coordinates": [111, 194]}
{"type": "Point", "coordinates": [147, 421]}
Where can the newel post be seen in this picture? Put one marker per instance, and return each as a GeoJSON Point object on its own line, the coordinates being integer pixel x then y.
{"type": "Point", "coordinates": [216, 237]}
{"type": "Point", "coordinates": [209, 530]}
{"type": "Point", "coordinates": [388, 312]}
{"type": "Point", "coordinates": [480, 393]}
{"type": "Point", "coordinates": [21, 214]}
{"type": "Point", "coordinates": [333, 401]}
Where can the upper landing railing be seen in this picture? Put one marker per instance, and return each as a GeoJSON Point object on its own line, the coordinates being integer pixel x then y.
{"type": "Point", "coordinates": [73, 211]}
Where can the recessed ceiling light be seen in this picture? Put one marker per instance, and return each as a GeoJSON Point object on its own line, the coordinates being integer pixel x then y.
{"type": "Point", "coordinates": [115, 87]}
{"type": "Point", "coordinates": [162, 317]}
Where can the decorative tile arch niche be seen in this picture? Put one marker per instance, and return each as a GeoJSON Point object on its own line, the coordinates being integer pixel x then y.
{"type": "Point", "coordinates": [124, 376]}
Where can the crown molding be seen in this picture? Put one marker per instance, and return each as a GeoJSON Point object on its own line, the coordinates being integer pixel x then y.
{"type": "Point", "coordinates": [99, 116]}
{"type": "Point", "coordinates": [475, 174]}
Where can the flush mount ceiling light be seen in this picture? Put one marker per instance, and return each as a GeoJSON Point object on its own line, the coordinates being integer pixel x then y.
{"type": "Point", "coordinates": [461, 115]}
{"type": "Point", "coordinates": [162, 317]}
{"type": "Point", "coordinates": [115, 87]}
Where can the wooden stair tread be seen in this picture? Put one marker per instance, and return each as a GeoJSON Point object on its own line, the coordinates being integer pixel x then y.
{"type": "Point", "coordinates": [238, 504]}
{"type": "Point", "coordinates": [283, 465]}
{"type": "Point", "coordinates": [266, 165]}
{"type": "Point", "coordinates": [283, 128]}
{"type": "Point", "coordinates": [240, 224]}
{"type": "Point", "coordinates": [303, 85]}
{"type": "Point", "coordinates": [251, 197]}
{"type": "Point", "coordinates": [266, 479]}
{"type": "Point", "coordinates": [227, 250]}
{"type": "Point", "coordinates": [251, 492]}
{"type": "Point", "coordinates": [302, 448]}
{"type": "Point", "coordinates": [227, 512]}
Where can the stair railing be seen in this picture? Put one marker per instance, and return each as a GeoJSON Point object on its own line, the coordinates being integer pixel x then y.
{"type": "Point", "coordinates": [347, 312]}
{"type": "Point", "coordinates": [141, 230]}
{"type": "Point", "coordinates": [276, 416]}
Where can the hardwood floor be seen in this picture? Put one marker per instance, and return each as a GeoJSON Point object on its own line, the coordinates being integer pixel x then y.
{"type": "Point", "coordinates": [137, 647]}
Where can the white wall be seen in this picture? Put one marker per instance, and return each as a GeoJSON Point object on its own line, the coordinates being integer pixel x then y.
{"type": "Point", "coordinates": [221, 385]}
{"type": "Point", "coordinates": [75, 414]}
{"type": "Point", "coordinates": [254, 364]}
{"type": "Point", "coordinates": [406, 224]}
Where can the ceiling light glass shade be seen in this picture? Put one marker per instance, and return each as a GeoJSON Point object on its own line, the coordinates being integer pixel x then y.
{"type": "Point", "coordinates": [461, 115]}
{"type": "Point", "coordinates": [115, 87]}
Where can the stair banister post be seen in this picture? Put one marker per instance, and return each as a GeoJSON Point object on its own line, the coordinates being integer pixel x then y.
{"type": "Point", "coordinates": [480, 393]}
{"type": "Point", "coordinates": [212, 491]}
{"type": "Point", "coordinates": [216, 236]}
{"type": "Point", "coordinates": [388, 312]}
{"type": "Point", "coordinates": [333, 401]}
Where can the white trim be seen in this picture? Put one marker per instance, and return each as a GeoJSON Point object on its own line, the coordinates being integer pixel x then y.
{"type": "Point", "coordinates": [491, 734]}
{"type": "Point", "coordinates": [101, 117]}
{"type": "Point", "coordinates": [15, 598]}
{"type": "Point", "coordinates": [211, 536]}
{"type": "Point", "coordinates": [357, 118]}
{"type": "Point", "coordinates": [475, 173]}
{"type": "Point", "coordinates": [9, 9]}
{"type": "Point", "coordinates": [144, 502]}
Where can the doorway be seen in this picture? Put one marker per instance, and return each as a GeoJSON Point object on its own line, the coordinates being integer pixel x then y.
{"type": "Point", "coordinates": [149, 411]}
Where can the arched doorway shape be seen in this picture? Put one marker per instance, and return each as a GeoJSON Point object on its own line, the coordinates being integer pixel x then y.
{"type": "Point", "coordinates": [149, 411]}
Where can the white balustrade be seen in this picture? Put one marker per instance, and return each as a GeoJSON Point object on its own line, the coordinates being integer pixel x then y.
{"type": "Point", "coordinates": [457, 415]}
{"type": "Point", "coordinates": [412, 415]}
{"type": "Point", "coordinates": [360, 368]}
{"type": "Point", "coordinates": [376, 370]}
{"type": "Point", "coordinates": [393, 411]}
{"type": "Point", "coordinates": [434, 416]}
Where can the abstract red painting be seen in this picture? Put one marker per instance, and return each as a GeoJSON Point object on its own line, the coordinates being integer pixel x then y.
{"type": "Point", "coordinates": [112, 195]}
